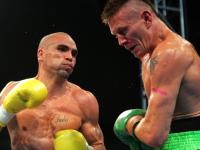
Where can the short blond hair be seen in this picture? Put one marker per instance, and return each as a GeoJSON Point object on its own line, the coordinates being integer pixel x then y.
{"type": "Point", "coordinates": [112, 6]}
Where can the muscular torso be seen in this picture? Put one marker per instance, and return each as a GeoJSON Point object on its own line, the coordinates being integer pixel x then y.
{"type": "Point", "coordinates": [34, 129]}
{"type": "Point", "coordinates": [188, 99]}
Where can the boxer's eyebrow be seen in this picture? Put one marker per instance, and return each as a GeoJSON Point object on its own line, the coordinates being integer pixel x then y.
{"type": "Point", "coordinates": [122, 31]}
{"type": "Point", "coordinates": [64, 48]}
{"type": "Point", "coordinates": [159, 91]}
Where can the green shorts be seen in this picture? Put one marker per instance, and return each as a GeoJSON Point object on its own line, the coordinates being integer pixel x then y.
{"type": "Point", "coordinates": [189, 140]}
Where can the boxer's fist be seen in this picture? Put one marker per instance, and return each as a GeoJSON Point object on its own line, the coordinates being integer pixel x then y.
{"type": "Point", "coordinates": [122, 133]}
{"type": "Point", "coordinates": [70, 140]}
{"type": "Point", "coordinates": [27, 93]}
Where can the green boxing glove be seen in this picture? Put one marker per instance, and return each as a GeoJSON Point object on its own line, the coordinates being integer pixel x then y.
{"type": "Point", "coordinates": [122, 133]}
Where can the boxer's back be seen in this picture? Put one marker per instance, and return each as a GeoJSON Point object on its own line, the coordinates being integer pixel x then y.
{"type": "Point", "coordinates": [188, 102]}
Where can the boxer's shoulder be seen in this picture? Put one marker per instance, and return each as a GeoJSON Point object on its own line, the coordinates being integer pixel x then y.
{"type": "Point", "coordinates": [81, 94]}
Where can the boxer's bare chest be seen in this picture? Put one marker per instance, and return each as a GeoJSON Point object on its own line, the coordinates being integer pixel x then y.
{"type": "Point", "coordinates": [43, 122]}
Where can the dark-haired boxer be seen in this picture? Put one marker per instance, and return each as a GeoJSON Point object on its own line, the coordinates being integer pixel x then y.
{"type": "Point", "coordinates": [66, 119]}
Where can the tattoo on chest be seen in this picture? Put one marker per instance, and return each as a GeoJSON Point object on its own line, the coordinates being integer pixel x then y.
{"type": "Point", "coordinates": [60, 119]}
{"type": "Point", "coordinates": [153, 61]}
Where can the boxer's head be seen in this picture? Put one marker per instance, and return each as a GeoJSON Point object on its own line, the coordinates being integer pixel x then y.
{"type": "Point", "coordinates": [57, 54]}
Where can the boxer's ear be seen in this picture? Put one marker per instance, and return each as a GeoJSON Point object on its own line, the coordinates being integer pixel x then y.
{"type": "Point", "coordinates": [147, 18]}
{"type": "Point", "coordinates": [39, 53]}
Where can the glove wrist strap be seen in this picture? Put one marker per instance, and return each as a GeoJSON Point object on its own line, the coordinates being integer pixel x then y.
{"type": "Point", "coordinates": [88, 147]}
{"type": "Point", "coordinates": [133, 128]}
{"type": "Point", "coordinates": [5, 116]}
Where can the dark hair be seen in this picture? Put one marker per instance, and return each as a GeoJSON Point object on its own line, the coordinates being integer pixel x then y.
{"type": "Point", "coordinates": [112, 6]}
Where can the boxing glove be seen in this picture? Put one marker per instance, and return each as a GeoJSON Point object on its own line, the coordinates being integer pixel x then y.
{"type": "Point", "coordinates": [27, 93]}
{"type": "Point", "coordinates": [70, 140]}
{"type": "Point", "coordinates": [122, 133]}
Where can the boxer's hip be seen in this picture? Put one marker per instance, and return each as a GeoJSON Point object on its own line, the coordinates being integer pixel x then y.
{"type": "Point", "coordinates": [189, 140]}
{"type": "Point", "coordinates": [184, 135]}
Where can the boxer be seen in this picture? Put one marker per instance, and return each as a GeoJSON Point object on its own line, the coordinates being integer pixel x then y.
{"type": "Point", "coordinates": [66, 119]}
{"type": "Point", "coordinates": [170, 73]}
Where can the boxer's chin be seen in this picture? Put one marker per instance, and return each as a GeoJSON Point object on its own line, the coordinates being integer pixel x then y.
{"type": "Point", "coordinates": [64, 73]}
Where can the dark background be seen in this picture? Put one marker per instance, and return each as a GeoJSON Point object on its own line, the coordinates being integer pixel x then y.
{"type": "Point", "coordinates": [105, 69]}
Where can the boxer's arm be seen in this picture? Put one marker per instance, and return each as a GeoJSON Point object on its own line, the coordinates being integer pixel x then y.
{"type": "Point", "coordinates": [1, 127]}
{"type": "Point", "coordinates": [4, 92]}
{"type": "Point", "coordinates": [1, 101]}
{"type": "Point", "coordinates": [93, 135]}
{"type": "Point", "coordinates": [6, 89]}
{"type": "Point", "coordinates": [91, 128]}
{"type": "Point", "coordinates": [167, 71]}
{"type": "Point", "coordinates": [27, 93]}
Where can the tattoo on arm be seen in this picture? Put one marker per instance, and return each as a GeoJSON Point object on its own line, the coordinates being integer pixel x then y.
{"type": "Point", "coordinates": [153, 62]}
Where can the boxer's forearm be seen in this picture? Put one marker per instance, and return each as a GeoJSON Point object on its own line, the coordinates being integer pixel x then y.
{"type": "Point", "coordinates": [98, 147]}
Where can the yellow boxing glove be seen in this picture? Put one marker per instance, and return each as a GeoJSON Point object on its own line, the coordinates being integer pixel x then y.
{"type": "Point", "coordinates": [27, 93]}
{"type": "Point", "coordinates": [70, 140]}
